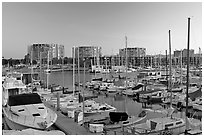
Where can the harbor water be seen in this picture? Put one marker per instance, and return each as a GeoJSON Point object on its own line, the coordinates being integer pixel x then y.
{"type": "Point", "coordinates": [122, 103]}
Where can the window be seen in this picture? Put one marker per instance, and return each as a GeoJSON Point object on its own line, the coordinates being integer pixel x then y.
{"type": "Point", "coordinates": [168, 125]}
{"type": "Point", "coordinates": [153, 125]}
{"type": "Point", "coordinates": [177, 123]}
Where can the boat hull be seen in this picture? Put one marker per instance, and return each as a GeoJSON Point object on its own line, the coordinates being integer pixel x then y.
{"type": "Point", "coordinates": [171, 131]}
{"type": "Point", "coordinates": [14, 126]}
{"type": "Point", "coordinates": [135, 121]}
{"type": "Point", "coordinates": [18, 122]}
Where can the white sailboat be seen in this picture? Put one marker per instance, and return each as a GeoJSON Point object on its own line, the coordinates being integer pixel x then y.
{"type": "Point", "coordinates": [190, 121]}
{"type": "Point", "coordinates": [162, 125]}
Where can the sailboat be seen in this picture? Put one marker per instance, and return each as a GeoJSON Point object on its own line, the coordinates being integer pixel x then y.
{"type": "Point", "coordinates": [162, 125]}
{"type": "Point", "coordinates": [122, 119]}
{"type": "Point", "coordinates": [190, 121]}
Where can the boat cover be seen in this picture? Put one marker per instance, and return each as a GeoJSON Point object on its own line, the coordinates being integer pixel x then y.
{"type": "Point", "coordinates": [195, 94]}
{"type": "Point", "coordinates": [137, 87]}
{"type": "Point", "coordinates": [97, 79]}
{"type": "Point", "coordinates": [24, 99]}
{"type": "Point", "coordinates": [118, 116]}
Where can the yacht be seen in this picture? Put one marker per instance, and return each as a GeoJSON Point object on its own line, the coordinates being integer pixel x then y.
{"type": "Point", "coordinates": [24, 110]}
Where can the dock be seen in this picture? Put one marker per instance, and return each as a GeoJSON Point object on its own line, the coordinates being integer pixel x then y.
{"type": "Point", "coordinates": [67, 125]}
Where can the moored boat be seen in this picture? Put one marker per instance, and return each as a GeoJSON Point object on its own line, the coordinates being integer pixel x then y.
{"type": "Point", "coordinates": [24, 110]}
{"type": "Point", "coordinates": [159, 126]}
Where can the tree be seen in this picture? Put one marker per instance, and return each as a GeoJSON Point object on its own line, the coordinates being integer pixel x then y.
{"type": "Point", "coordinates": [26, 59]}
{"type": "Point", "coordinates": [4, 61]}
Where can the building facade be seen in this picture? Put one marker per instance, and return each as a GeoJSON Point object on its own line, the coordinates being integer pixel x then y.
{"type": "Point", "coordinates": [134, 55]}
{"type": "Point", "coordinates": [133, 52]}
{"type": "Point", "coordinates": [88, 51]}
{"type": "Point", "coordinates": [37, 50]}
{"type": "Point", "coordinates": [92, 54]}
{"type": "Point", "coordinates": [57, 51]}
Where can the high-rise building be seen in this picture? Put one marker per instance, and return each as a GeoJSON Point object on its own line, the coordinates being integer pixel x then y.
{"type": "Point", "coordinates": [87, 51]}
{"type": "Point", "coordinates": [55, 51]}
{"type": "Point", "coordinates": [60, 49]}
{"type": "Point", "coordinates": [133, 52]}
{"type": "Point", "coordinates": [177, 53]}
{"type": "Point", "coordinates": [38, 49]}
{"type": "Point", "coordinates": [91, 53]}
{"type": "Point", "coordinates": [191, 53]}
{"type": "Point", "coordinates": [134, 55]}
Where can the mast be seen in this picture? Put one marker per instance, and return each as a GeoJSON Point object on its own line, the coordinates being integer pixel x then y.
{"type": "Point", "coordinates": [40, 66]}
{"type": "Point", "coordinates": [106, 66]}
{"type": "Point", "coordinates": [78, 68]}
{"type": "Point", "coordinates": [31, 69]}
{"type": "Point", "coordinates": [181, 65]}
{"type": "Point", "coordinates": [47, 68]}
{"type": "Point", "coordinates": [170, 73]}
{"type": "Point", "coordinates": [63, 72]}
{"type": "Point", "coordinates": [126, 69]}
{"type": "Point", "coordinates": [187, 83]}
{"type": "Point", "coordinates": [200, 57]}
{"type": "Point", "coordinates": [84, 88]}
{"type": "Point", "coordinates": [73, 55]}
{"type": "Point", "coordinates": [95, 63]}
{"type": "Point", "coordinates": [119, 60]}
{"type": "Point", "coordinates": [167, 69]}
{"type": "Point", "coordinates": [160, 62]}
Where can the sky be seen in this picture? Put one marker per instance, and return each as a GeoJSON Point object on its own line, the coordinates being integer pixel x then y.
{"type": "Point", "coordinates": [71, 24]}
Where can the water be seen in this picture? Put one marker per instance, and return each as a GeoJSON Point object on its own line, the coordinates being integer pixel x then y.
{"type": "Point", "coordinates": [57, 77]}
{"type": "Point", "coordinates": [128, 105]}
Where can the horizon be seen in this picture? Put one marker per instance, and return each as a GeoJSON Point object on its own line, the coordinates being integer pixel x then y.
{"type": "Point", "coordinates": [145, 24]}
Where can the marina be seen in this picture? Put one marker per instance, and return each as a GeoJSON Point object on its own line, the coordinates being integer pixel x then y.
{"type": "Point", "coordinates": [131, 92]}
{"type": "Point", "coordinates": [68, 125]}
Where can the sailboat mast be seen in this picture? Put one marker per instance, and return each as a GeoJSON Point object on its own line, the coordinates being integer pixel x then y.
{"type": "Point", "coordinates": [47, 68]}
{"type": "Point", "coordinates": [78, 67]}
{"type": "Point", "coordinates": [126, 68]}
{"type": "Point", "coordinates": [106, 67]}
{"type": "Point", "coordinates": [73, 84]}
{"type": "Point", "coordinates": [181, 65]}
{"type": "Point", "coordinates": [119, 59]}
{"type": "Point", "coordinates": [63, 71]}
{"type": "Point", "coordinates": [167, 69]}
{"type": "Point", "coordinates": [95, 62]}
{"type": "Point", "coordinates": [31, 69]}
{"type": "Point", "coordinates": [40, 66]}
{"type": "Point", "coordinates": [170, 73]}
{"type": "Point", "coordinates": [187, 83]}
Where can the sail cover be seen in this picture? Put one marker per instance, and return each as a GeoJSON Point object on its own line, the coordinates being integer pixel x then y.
{"type": "Point", "coordinates": [118, 116]}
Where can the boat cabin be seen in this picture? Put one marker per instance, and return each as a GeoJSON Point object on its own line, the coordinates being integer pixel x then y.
{"type": "Point", "coordinates": [157, 124]}
{"type": "Point", "coordinates": [11, 86]}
